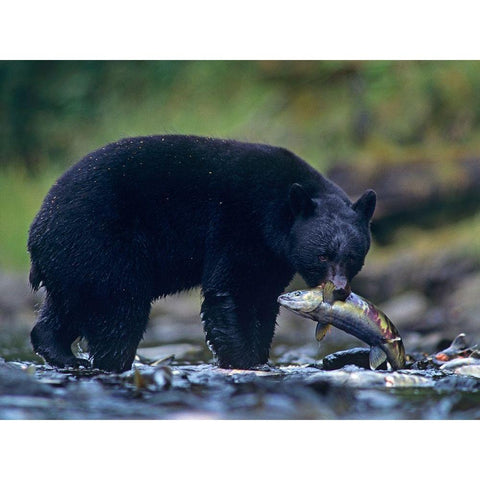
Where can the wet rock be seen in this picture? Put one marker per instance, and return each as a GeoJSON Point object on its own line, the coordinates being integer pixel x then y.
{"type": "Point", "coordinates": [456, 363]}
{"type": "Point", "coordinates": [18, 381]}
{"type": "Point", "coordinates": [350, 376]}
{"type": "Point", "coordinates": [404, 380]}
{"type": "Point", "coordinates": [453, 383]}
{"type": "Point", "coordinates": [255, 373]}
{"type": "Point", "coordinates": [469, 370]}
{"type": "Point", "coordinates": [353, 356]}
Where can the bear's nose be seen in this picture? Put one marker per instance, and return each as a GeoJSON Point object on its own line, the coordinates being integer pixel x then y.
{"type": "Point", "coordinates": [342, 286]}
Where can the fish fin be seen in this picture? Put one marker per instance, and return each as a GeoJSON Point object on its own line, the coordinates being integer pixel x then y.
{"type": "Point", "coordinates": [328, 290]}
{"type": "Point", "coordinates": [377, 357]}
{"type": "Point", "coordinates": [321, 330]}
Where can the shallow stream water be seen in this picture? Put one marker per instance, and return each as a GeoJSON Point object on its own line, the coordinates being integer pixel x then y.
{"type": "Point", "coordinates": [199, 390]}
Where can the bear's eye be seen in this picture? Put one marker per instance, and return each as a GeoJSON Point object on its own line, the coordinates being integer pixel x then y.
{"type": "Point", "coordinates": [322, 258]}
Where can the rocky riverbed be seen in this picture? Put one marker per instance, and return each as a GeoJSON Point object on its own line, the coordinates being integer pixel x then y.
{"type": "Point", "coordinates": [174, 376]}
{"type": "Point", "coordinates": [183, 390]}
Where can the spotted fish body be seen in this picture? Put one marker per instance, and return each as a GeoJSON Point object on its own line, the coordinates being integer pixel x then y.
{"type": "Point", "coordinates": [355, 315]}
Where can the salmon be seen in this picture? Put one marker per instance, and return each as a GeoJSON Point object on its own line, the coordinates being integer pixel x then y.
{"type": "Point", "coordinates": [354, 315]}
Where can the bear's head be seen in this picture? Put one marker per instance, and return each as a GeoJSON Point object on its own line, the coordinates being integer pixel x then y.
{"type": "Point", "coordinates": [330, 236]}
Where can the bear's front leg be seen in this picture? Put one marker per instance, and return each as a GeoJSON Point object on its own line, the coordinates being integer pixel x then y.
{"type": "Point", "coordinates": [231, 327]}
{"type": "Point", "coordinates": [241, 282]}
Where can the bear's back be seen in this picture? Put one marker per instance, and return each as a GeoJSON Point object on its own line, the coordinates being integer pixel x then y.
{"type": "Point", "coordinates": [154, 170]}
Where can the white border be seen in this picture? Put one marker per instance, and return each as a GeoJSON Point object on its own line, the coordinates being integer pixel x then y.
{"type": "Point", "coordinates": [213, 29]}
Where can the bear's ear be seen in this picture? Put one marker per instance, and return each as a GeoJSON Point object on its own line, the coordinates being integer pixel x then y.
{"type": "Point", "coordinates": [300, 201]}
{"type": "Point", "coordinates": [365, 205]}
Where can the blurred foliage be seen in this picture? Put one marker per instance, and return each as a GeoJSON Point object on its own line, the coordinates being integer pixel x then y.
{"type": "Point", "coordinates": [20, 199]}
{"type": "Point", "coordinates": [52, 113]}
{"type": "Point", "coordinates": [55, 112]}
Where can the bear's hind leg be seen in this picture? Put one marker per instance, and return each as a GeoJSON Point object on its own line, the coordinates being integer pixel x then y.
{"type": "Point", "coordinates": [52, 337]}
{"type": "Point", "coordinates": [114, 333]}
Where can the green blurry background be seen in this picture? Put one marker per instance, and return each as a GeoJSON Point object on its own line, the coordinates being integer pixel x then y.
{"type": "Point", "coordinates": [365, 114]}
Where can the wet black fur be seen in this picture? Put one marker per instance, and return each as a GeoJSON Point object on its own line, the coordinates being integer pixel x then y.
{"type": "Point", "coordinates": [150, 216]}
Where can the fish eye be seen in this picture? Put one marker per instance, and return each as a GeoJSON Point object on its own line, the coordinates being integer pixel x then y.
{"type": "Point", "coordinates": [297, 294]}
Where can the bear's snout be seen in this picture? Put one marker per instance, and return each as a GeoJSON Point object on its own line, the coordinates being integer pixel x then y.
{"type": "Point", "coordinates": [342, 285]}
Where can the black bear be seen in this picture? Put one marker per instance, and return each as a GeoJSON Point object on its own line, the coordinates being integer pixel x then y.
{"type": "Point", "coordinates": [149, 216]}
